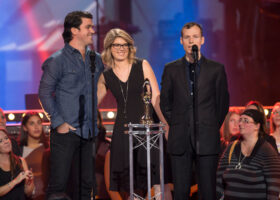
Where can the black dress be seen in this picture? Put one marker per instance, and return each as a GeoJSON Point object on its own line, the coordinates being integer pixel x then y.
{"type": "Point", "coordinates": [130, 108]}
{"type": "Point", "coordinates": [17, 193]}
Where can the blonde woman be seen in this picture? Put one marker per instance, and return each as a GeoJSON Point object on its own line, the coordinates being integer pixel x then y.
{"type": "Point", "coordinates": [124, 78]}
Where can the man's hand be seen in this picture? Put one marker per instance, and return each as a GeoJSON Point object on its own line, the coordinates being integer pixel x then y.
{"type": "Point", "coordinates": [64, 128]}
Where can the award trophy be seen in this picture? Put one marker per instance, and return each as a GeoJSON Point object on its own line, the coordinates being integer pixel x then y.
{"type": "Point", "coordinates": [147, 97]}
{"type": "Point", "coordinates": [148, 135]}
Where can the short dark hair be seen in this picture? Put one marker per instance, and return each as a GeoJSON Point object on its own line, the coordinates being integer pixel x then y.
{"type": "Point", "coordinates": [257, 116]}
{"type": "Point", "coordinates": [191, 24]}
{"type": "Point", "coordinates": [73, 20]}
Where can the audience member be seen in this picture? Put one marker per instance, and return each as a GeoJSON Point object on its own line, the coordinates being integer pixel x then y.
{"type": "Point", "coordinates": [230, 128]}
{"type": "Point", "coordinates": [249, 167]}
{"type": "Point", "coordinates": [3, 121]}
{"type": "Point", "coordinates": [275, 124]}
{"type": "Point", "coordinates": [34, 146]}
{"type": "Point", "coordinates": [16, 180]}
{"type": "Point", "coordinates": [256, 105]}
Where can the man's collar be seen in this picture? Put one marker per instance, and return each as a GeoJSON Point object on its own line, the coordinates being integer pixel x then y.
{"type": "Point", "coordinates": [202, 58]}
{"type": "Point", "coordinates": [72, 50]}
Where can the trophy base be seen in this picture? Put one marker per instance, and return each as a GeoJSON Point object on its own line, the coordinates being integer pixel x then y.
{"type": "Point", "coordinates": [146, 121]}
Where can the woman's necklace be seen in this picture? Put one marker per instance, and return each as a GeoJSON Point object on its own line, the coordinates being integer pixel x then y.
{"type": "Point", "coordinates": [239, 164]}
{"type": "Point", "coordinates": [125, 97]}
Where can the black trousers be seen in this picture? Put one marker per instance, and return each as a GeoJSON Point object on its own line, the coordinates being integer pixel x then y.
{"type": "Point", "coordinates": [64, 148]}
{"type": "Point", "coordinates": [205, 167]}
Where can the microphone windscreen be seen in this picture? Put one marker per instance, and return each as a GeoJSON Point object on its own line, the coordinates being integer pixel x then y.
{"type": "Point", "coordinates": [194, 48]}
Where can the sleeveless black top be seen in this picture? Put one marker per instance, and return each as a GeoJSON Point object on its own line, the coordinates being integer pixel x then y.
{"type": "Point", "coordinates": [130, 108]}
{"type": "Point", "coordinates": [17, 193]}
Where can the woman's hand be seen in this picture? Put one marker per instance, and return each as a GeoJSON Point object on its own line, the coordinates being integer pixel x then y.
{"type": "Point", "coordinates": [20, 177]}
{"type": "Point", "coordinates": [29, 176]}
{"type": "Point", "coordinates": [166, 129]}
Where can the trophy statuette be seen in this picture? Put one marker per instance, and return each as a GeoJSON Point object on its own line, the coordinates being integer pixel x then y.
{"type": "Point", "coordinates": [147, 98]}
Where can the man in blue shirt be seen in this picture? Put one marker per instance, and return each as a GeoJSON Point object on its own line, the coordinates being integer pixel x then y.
{"type": "Point", "coordinates": [65, 93]}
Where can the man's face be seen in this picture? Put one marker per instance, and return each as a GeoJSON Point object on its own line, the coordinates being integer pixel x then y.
{"type": "Point", "coordinates": [85, 32]}
{"type": "Point", "coordinates": [190, 37]}
{"type": "Point", "coordinates": [2, 119]}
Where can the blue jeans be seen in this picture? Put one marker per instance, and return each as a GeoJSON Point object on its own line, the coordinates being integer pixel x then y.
{"type": "Point", "coordinates": [64, 148]}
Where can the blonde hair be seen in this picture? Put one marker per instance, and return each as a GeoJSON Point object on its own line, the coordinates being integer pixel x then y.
{"type": "Point", "coordinates": [225, 132]}
{"type": "Point", "coordinates": [110, 37]}
{"type": "Point", "coordinates": [272, 125]}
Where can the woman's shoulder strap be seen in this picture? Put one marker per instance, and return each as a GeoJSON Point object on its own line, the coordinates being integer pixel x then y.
{"type": "Point", "coordinates": [231, 150]}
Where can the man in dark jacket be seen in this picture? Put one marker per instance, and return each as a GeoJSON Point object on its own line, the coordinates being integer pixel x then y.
{"type": "Point", "coordinates": [194, 90]}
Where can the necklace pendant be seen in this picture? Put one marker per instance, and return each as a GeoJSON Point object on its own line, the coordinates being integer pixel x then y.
{"type": "Point", "coordinates": [125, 113]}
{"type": "Point", "coordinates": [238, 166]}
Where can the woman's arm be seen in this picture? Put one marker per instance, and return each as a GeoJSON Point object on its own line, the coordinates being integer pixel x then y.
{"type": "Point", "coordinates": [222, 166]}
{"type": "Point", "coordinates": [10, 185]}
{"type": "Point", "coordinates": [271, 170]}
{"type": "Point", "coordinates": [149, 74]}
{"type": "Point", "coordinates": [101, 89]}
{"type": "Point", "coordinates": [5, 189]}
{"type": "Point", "coordinates": [29, 183]}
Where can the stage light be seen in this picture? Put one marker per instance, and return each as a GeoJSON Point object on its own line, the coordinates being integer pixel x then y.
{"type": "Point", "coordinates": [11, 116]}
{"type": "Point", "coordinates": [41, 115]}
{"type": "Point", "coordinates": [266, 112]}
{"type": "Point", "coordinates": [110, 115]}
{"type": "Point", "coordinates": [23, 114]}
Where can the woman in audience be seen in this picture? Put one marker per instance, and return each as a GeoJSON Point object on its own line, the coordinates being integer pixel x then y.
{"type": "Point", "coordinates": [230, 128]}
{"type": "Point", "coordinates": [255, 105]}
{"type": "Point", "coordinates": [275, 124]}
{"type": "Point", "coordinates": [16, 180]}
{"type": "Point", "coordinates": [34, 146]}
{"type": "Point", "coordinates": [249, 167]}
{"type": "Point", "coordinates": [3, 121]}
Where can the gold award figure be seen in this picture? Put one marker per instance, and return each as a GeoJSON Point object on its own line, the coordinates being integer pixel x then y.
{"type": "Point", "coordinates": [147, 97]}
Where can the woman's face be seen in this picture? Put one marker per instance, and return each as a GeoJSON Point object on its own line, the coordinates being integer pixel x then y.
{"type": "Point", "coordinates": [34, 127]}
{"type": "Point", "coordinates": [120, 49]}
{"type": "Point", "coordinates": [234, 124]}
{"type": "Point", "coordinates": [276, 115]}
{"type": "Point", "coordinates": [247, 125]}
{"type": "Point", "coordinates": [5, 143]}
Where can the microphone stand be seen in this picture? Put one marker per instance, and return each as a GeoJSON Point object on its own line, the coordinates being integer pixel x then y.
{"type": "Point", "coordinates": [92, 68]}
{"type": "Point", "coordinates": [195, 107]}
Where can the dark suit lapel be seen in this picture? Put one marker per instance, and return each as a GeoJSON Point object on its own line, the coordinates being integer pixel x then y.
{"type": "Point", "coordinates": [183, 74]}
{"type": "Point", "coordinates": [203, 72]}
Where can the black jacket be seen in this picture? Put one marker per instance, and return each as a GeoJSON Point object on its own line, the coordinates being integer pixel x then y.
{"type": "Point", "coordinates": [177, 107]}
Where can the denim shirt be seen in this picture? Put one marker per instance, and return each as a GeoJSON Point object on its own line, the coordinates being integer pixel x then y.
{"type": "Point", "coordinates": [65, 89]}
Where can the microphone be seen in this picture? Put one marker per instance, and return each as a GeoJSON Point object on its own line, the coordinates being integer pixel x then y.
{"type": "Point", "coordinates": [195, 53]}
